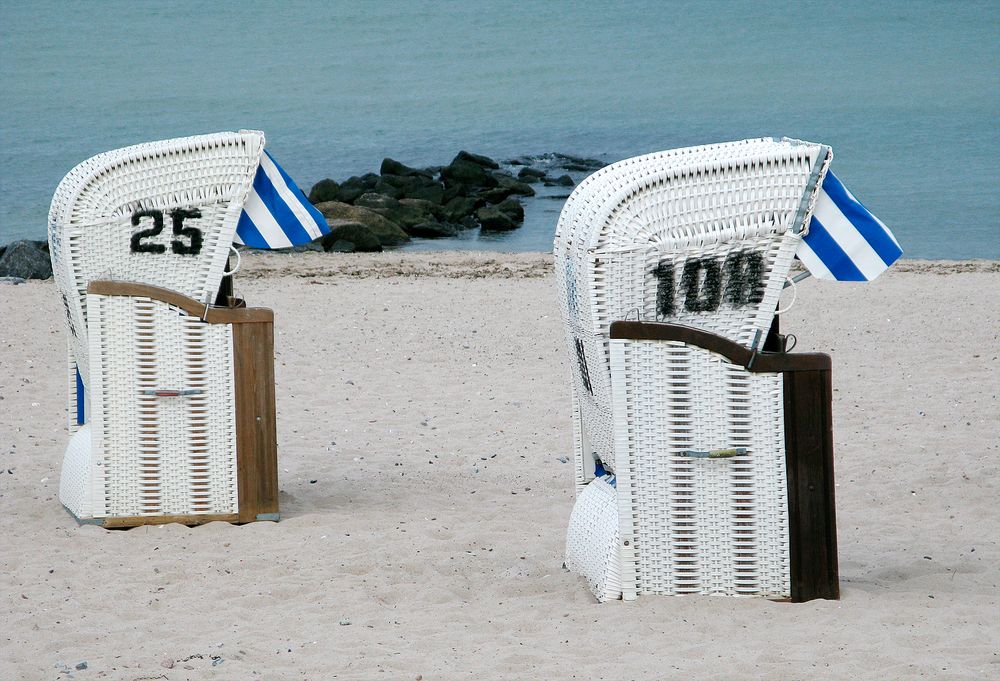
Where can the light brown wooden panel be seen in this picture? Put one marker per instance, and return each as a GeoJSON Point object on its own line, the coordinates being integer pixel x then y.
{"type": "Point", "coordinates": [256, 435]}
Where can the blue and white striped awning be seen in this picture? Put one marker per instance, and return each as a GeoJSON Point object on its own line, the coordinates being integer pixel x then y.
{"type": "Point", "coordinates": [276, 213]}
{"type": "Point", "coordinates": [845, 241]}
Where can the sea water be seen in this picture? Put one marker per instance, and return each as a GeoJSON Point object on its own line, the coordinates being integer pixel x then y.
{"type": "Point", "coordinates": [906, 93]}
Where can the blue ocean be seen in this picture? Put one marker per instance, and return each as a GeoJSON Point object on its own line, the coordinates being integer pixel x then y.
{"type": "Point", "coordinates": [906, 93]}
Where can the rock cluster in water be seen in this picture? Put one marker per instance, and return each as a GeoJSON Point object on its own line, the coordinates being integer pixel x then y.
{"type": "Point", "coordinates": [386, 209]}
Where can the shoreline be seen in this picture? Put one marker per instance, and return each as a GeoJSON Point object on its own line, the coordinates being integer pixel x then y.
{"type": "Point", "coordinates": [481, 264]}
{"type": "Point", "coordinates": [470, 264]}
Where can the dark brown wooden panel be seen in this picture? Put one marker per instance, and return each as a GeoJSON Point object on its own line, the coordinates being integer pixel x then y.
{"type": "Point", "coordinates": [812, 514]}
{"type": "Point", "coordinates": [256, 434]}
{"type": "Point", "coordinates": [757, 362]}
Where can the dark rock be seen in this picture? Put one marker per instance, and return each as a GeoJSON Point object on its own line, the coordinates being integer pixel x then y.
{"type": "Point", "coordinates": [394, 167]}
{"type": "Point", "coordinates": [576, 163]}
{"type": "Point", "coordinates": [311, 246]}
{"type": "Point", "coordinates": [405, 213]}
{"type": "Point", "coordinates": [350, 189]}
{"type": "Point", "coordinates": [561, 181]}
{"type": "Point", "coordinates": [341, 246]}
{"type": "Point", "coordinates": [348, 237]}
{"type": "Point", "coordinates": [376, 201]}
{"type": "Point", "coordinates": [492, 218]}
{"type": "Point", "coordinates": [513, 209]}
{"type": "Point", "coordinates": [355, 186]}
{"type": "Point", "coordinates": [428, 208]}
{"type": "Point", "coordinates": [324, 190]}
{"type": "Point", "coordinates": [515, 186]}
{"type": "Point", "coordinates": [484, 161]}
{"type": "Point", "coordinates": [433, 230]}
{"type": "Point", "coordinates": [410, 187]}
{"type": "Point", "coordinates": [458, 208]}
{"type": "Point", "coordinates": [493, 196]}
{"type": "Point", "coordinates": [430, 191]}
{"type": "Point", "coordinates": [388, 232]}
{"type": "Point", "coordinates": [506, 186]}
{"type": "Point", "coordinates": [453, 190]}
{"type": "Point", "coordinates": [27, 260]}
{"type": "Point", "coordinates": [467, 173]}
{"type": "Point", "coordinates": [385, 188]}
{"type": "Point", "coordinates": [530, 175]}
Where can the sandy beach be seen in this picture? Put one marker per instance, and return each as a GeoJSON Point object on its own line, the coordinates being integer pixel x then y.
{"type": "Point", "coordinates": [423, 426]}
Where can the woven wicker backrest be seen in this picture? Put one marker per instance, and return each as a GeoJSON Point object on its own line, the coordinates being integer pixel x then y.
{"type": "Point", "coordinates": [702, 236]}
{"type": "Point", "coordinates": [162, 213]}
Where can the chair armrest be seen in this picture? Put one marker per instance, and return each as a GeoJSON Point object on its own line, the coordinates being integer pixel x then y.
{"type": "Point", "coordinates": [207, 313]}
{"type": "Point", "coordinates": [751, 360]}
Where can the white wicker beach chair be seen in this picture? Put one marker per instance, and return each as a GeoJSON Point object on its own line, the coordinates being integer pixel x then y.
{"type": "Point", "coordinates": [702, 237]}
{"type": "Point", "coordinates": [161, 431]}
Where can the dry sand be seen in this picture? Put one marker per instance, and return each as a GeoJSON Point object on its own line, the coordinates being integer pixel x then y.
{"type": "Point", "coordinates": [423, 408]}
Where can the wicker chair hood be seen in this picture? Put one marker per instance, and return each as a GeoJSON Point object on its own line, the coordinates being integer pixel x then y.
{"type": "Point", "coordinates": [162, 213]}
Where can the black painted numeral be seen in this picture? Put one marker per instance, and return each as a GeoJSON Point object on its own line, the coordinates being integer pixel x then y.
{"type": "Point", "coordinates": [664, 273]}
{"type": "Point", "coordinates": [137, 243]}
{"type": "Point", "coordinates": [178, 246]}
{"type": "Point", "coordinates": [744, 278]}
{"type": "Point", "coordinates": [702, 294]}
{"type": "Point", "coordinates": [193, 247]}
{"type": "Point", "coordinates": [702, 281]}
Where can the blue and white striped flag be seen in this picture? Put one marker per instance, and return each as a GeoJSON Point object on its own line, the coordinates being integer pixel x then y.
{"type": "Point", "coordinates": [277, 214]}
{"type": "Point", "coordinates": [845, 241]}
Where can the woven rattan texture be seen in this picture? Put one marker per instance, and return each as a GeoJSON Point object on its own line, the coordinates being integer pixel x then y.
{"type": "Point", "coordinates": [91, 218]}
{"type": "Point", "coordinates": [631, 222]}
{"type": "Point", "coordinates": [161, 455]}
{"type": "Point", "coordinates": [708, 526]}
{"type": "Point", "coordinates": [592, 540]}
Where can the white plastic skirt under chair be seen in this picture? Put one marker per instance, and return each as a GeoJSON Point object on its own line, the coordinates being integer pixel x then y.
{"type": "Point", "coordinates": [592, 541]}
{"type": "Point", "coordinates": [75, 489]}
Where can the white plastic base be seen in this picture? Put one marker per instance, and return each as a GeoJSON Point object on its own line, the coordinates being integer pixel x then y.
{"type": "Point", "coordinates": [592, 549]}
{"type": "Point", "coordinates": [74, 482]}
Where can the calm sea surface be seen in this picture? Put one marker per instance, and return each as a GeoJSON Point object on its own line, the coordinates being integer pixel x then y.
{"type": "Point", "coordinates": [906, 93]}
